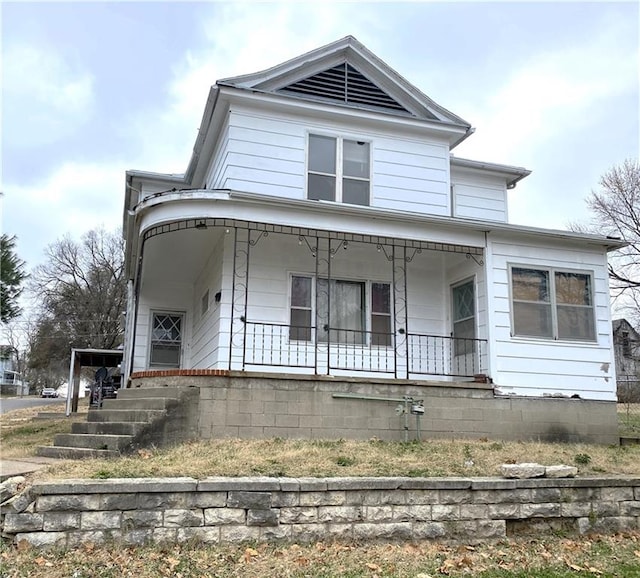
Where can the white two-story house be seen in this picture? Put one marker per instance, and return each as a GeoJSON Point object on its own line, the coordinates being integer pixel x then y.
{"type": "Point", "coordinates": [325, 256]}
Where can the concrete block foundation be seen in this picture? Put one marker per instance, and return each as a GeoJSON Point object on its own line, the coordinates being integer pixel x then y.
{"type": "Point", "coordinates": [262, 405]}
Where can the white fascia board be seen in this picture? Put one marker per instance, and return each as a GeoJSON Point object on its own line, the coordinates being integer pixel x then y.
{"type": "Point", "coordinates": [311, 210]}
{"type": "Point", "coordinates": [515, 173]}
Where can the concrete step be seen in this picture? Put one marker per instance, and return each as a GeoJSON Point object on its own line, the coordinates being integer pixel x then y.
{"type": "Point", "coordinates": [137, 403]}
{"type": "Point", "coordinates": [130, 428]}
{"type": "Point", "coordinates": [93, 441]}
{"type": "Point", "coordinates": [69, 453]}
{"type": "Point", "coordinates": [141, 392]}
{"type": "Point", "coordinates": [130, 415]}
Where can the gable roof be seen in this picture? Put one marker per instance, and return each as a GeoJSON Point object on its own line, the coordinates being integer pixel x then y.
{"type": "Point", "coordinates": [345, 72]}
{"type": "Point", "coordinates": [623, 325]}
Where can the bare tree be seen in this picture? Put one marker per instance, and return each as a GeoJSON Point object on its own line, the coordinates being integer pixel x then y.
{"type": "Point", "coordinates": [82, 294]}
{"type": "Point", "coordinates": [616, 213]}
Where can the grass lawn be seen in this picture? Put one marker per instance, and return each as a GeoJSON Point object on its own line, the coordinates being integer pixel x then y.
{"type": "Point", "coordinates": [551, 556]}
{"type": "Point", "coordinates": [524, 557]}
{"type": "Point", "coordinates": [21, 433]}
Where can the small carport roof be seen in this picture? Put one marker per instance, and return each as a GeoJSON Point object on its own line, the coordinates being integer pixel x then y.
{"type": "Point", "coordinates": [98, 357]}
{"type": "Point", "coordinates": [88, 358]}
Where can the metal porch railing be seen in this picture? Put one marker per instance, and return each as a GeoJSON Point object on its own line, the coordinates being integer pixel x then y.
{"type": "Point", "coordinates": [283, 345]}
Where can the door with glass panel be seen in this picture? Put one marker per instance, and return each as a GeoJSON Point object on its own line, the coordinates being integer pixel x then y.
{"type": "Point", "coordinates": [463, 349]}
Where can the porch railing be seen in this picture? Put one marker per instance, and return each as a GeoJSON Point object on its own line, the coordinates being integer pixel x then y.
{"type": "Point", "coordinates": [447, 356]}
{"type": "Point", "coordinates": [283, 345]}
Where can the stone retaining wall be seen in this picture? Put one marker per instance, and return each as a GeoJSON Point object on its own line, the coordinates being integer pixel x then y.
{"type": "Point", "coordinates": [213, 510]}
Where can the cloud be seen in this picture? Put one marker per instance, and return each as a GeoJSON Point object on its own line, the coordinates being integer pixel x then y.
{"type": "Point", "coordinates": [73, 199]}
{"type": "Point", "coordinates": [47, 98]}
{"type": "Point", "coordinates": [552, 94]}
{"type": "Point", "coordinates": [236, 38]}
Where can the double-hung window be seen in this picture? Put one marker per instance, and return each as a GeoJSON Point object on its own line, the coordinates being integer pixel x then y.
{"type": "Point", "coordinates": [353, 310]}
{"type": "Point", "coordinates": [338, 170]}
{"type": "Point", "coordinates": [166, 340]}
{"type": "Point", "coordinates": [552, 304]}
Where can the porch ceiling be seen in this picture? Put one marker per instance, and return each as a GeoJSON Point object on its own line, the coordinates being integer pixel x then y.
{"type": "Point", "coordinates": [179, 255]}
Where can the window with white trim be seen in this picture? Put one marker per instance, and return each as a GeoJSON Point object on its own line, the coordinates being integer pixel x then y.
{"type": "Point", "coordinates": [166, 340]}
{"type": "Point", "coordinates": [359, 311]}
{"type": "Point", "coordinates": [338, 170]}
{"type": "Point", "coordinates": [552, 304]}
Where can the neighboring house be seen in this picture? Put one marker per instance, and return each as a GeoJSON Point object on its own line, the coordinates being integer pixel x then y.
{"type": "Point", "coordinates": [325, 255]}
{"type": "Point", "coordinates": [11, 382]}
{"type": "Point", "coordinates": [626, 341]}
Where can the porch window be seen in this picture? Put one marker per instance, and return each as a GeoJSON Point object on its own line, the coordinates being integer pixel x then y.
{"type": "Point", "coordinates": [464, 320]}
{"type": "Point", "coordinates": [345, 299]}
{"type": "Point", "coordinates": [344, 304]}
{"type": "Point", "coordinates": [381, 314]}
{"type": "Point", "coordinates": [552, 304]}
{"type": "Point", "coordinates": [166, 340]}
{"type": "Point", "coordinates": [338, 170]}
{"type": "Point", "coordinates": [300, 320]}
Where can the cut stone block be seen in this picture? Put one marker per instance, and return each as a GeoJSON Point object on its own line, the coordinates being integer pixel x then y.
{"type": "Point", "coordinates": [561, 471]}
{"type": "Point", "coordinates": [522, 471]}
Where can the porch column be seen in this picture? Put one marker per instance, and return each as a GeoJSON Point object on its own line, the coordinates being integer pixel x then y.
{"type": "Point", "coordinates": [399, 263]}
{"type": "Point", "coordinates": [239, 296]}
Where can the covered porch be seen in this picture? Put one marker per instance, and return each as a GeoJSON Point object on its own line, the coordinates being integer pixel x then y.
{"type": "Point", "coordinates": [239, 295]}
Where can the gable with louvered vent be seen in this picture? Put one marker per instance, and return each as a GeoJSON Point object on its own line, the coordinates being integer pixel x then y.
{"type": "Point", "coordinates": [343, 83]}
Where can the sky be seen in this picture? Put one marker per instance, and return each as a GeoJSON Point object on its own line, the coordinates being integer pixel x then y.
{"type": "Point", "coordinates": [91, 89]}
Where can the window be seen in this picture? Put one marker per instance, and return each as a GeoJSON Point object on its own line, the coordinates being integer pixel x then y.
{"type": "Point", "coordinates": [464, 321]}
{"type": "Point", "coordinates": [300, 320]}
{"type": "Point", "coordinates": [346, 314]}
{"type": "Point", "coordinates": [338, 170]}
{"type": "Point", "coordinates": [381, 314]}
{"type": "Point", "coordinates": [166, 339]}
{"type": "Point", "coordinates": [343, 304]}
{"type": "Point", "coordinates": [552, 304]}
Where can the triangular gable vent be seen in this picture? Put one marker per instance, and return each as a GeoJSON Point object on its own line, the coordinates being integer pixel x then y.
{"type": "Point", "coordinates": [344, 83]}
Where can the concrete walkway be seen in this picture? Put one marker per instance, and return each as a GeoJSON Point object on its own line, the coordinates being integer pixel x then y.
{"type": "Point", "coordinates": [22, 466]}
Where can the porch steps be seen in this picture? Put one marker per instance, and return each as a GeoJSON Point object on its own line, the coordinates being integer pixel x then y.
{"type": "Point", "coordinates": [137, 417]}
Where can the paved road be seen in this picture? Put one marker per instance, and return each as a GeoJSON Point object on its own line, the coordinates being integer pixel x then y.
{"type": "Point", "coordinates": [11, 403]}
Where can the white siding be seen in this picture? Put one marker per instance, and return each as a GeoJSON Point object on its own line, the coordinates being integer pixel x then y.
{"type": "Point", "coordinates": [479, 197]}
{"type": "Point", "coordinates": [205, 348]}
{"type": "Point", "coordinates": [266, 154]}
{"type": "Point", "coordinates": [543, 366]}
{"type": "Point", "coordinates": [171, 296]}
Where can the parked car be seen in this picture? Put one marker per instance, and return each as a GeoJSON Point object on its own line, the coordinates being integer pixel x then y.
{"type": "Point", "coordinates": [49, 392]}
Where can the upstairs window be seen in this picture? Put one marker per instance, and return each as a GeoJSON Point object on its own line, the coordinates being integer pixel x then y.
{"type": "Point", "coordinates": [338, 170]}
{"type": "Point", "coordinates": [552, 304]}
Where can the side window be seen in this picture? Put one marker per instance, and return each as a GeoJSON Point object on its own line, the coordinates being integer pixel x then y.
{"type": "Point", "coordinates": [166, 340]}
{"type": "Point", "coordinates": [531, 294]}
{"type": "Point", "coordinates": [464, 318]}
{"type": "Point", "coordinates": [552, 304]}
